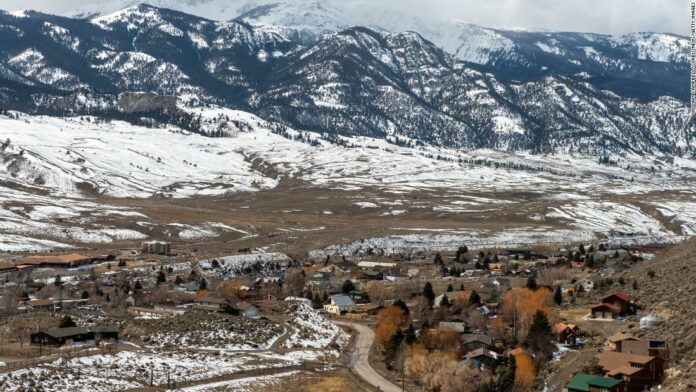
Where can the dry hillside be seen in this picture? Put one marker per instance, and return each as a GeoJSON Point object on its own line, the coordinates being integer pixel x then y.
{"type": "Point", "coordinates": [666, 287]}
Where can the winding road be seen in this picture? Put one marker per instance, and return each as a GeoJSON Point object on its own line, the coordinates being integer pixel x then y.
{"type": "Point", "coordinates": [361, 365]}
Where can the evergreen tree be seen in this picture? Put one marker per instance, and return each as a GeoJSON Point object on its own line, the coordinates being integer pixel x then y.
{"type": "Point", "coordinates": [400, 304]}
{"type": "Point", "coordinates": [66, 322]}
{"type": "Point", "coordinates": [461, 251]}
{"type": "Point", "coordinates": [461, 287]}
{"type": "Point", "coordinates": [581, 249]}
{"type": "Point", "coordinates": [450, 288]}
{"type": "Point", "coordinates": [410, 335]}
{"type": "Point", "coordinates": [203, 284]}
{"type": "Point", "coordinates": [445, 303]}
{"type": "Point", "coordinates": [474, 298]}
{"type": "Point", "coordinates": [540, 336]}
{"type": "Point", "coordinates": [161, 277]}
{"type": "Point", "coordinates": [392, 347]}
{"type": "Point", "coordinates": [316, 301]}
{"type": "Point", "coordinates": [428, 293]}
{"type": "Point", "coordinates": [531, 283]}
{"type": "Point", "coordinates": [347, 287]}
{"type": "Point", "coordinates": [558, 296]}
{"type": "Point", "coordinates": [178, 280]}
{"type": "Point", "coordinates": [506, 376]}
{"type": "Point", "coordinates": [438, 259]}
{"type": "Point", "coordinates": [85, 295]}
{"type": "Point", "coordinates": [138, 285]}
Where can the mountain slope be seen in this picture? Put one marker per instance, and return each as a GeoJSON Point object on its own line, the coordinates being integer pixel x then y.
{"type": "Point", "coordinates": [643, 65]}
{"type": "Point", "coordinates": [670, 296]}
{"type": "Point", "coordinates": [398, 86]}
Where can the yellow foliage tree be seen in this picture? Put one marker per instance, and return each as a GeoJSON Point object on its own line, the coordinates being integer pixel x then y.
{"type": "Point", "coordinates": [389, 320]}
{"type": "Point", "coordinates": [519, 306]}
{"type": "Point", "coordinates": [525, 372]}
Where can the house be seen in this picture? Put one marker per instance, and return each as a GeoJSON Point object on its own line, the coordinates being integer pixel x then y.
{"type": "Point", "coordinates": [615, 342]}
{"type": "Point", "coordinates": [624, 302]}
{"type": "Point", "coordinates": [652, 348]}
{"type": "Point", "coordinates": [583, 382]}
{"type": "Point", "coordinates": [247, 310]}
{"type": "Point", "coordinates": [212, 304]}
{"type": "Point", "coordinates": [457, 326]}
{"type": "Point", "coordinates": [156, 247]}
{"type": "Point", "coordinates": [376, 264]}
{"type": "Point", "coordinates": [369, 309]}
{"type": "Point", "coordinates": [566, 333]}
{"type": "Point", "coordinates": [340, 303]}
{"type": "Point", "coordinates": [483, 357]}
{"type": "Point", "coordinates": [476, 341]}
{"type": "Point", "coordinates": [638, 372]}
{"type": "Point", "coordinates": [61, 336]}
{"type": "Point", "coordinates": [605, 311]}
{"type": "Point", "coordinates": [36, 305]}
{"type": "Point", "coordinates": [366, 274]}
{"type": "Point", "coordinates": [71, 260]}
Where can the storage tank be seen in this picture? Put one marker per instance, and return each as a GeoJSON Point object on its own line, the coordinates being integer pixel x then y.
{"type": "Point", "coordinates": [649, 321]}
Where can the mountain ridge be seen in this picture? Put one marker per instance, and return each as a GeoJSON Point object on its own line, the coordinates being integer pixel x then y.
{"type": "Point", "coordinates": [360, 81]}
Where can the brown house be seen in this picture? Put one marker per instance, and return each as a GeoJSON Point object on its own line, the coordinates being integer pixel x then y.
{"type": "Point", "coordinates": [616, 341]}
{"type": "Point", "coordinates": [625, 303]}
{"type": "Point", "coordinates": [567, 333]}
{"type": "Point", "coordinates": [604, 311]}
{"type": "Point", "coordinates": [638, 372]}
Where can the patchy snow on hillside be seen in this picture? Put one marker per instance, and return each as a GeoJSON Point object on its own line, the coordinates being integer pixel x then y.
{"type": "Point", "coordinates": [310, 329]}
{"type": "Point", "coordinates": [227, 267]}
{"type": "Point", "coordinates": [612, 218]}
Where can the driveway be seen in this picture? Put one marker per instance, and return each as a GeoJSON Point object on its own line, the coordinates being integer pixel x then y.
{"type": "Point", "coordinates": [361, 364]}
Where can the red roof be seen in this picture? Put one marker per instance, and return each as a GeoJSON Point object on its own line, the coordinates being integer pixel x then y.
{"type": "Point", "coordinates": [620, 295]}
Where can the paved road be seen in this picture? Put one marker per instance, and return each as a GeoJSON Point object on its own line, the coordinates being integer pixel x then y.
{"type": "Point", "coordinates": [363, 344]}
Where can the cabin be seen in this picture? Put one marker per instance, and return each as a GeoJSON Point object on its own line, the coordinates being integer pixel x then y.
{"type": "Point", "coordinates": [566, 333]}
{"type": "Point", "coordinates": [583, 382]}
{"type": "Point", "coordinates": [624, 302]}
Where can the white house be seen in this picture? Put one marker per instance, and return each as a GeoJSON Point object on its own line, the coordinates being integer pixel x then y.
{"type": "Point", "coordinates": [339, 304]}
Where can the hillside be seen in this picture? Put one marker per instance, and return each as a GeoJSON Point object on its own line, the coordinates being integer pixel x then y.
{"type": "Point", "coordinates": [671, 295]}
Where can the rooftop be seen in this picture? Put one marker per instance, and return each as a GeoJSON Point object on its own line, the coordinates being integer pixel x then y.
{"type": "Point", "coordinates": [582, 381]}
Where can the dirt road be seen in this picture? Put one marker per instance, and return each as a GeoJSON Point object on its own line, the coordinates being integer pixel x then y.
{"type": "Point", "coordinates": [361, 365]}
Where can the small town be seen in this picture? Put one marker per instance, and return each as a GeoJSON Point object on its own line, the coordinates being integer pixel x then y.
{"type": "Point", "coordinates": [484, 320]}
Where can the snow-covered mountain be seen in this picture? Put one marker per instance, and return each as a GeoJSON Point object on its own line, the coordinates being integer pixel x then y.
{"type": "Point", "coordinates": [508, 90]}
{"type": "Point", "coordinates": [510, 54]}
